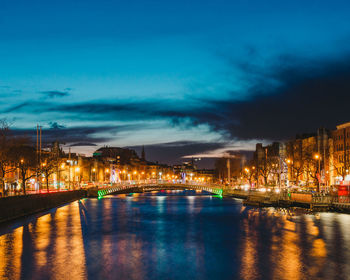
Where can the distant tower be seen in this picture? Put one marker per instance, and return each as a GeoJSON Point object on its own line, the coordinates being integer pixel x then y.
{"type": "Point", "coordinates": [143, 156]}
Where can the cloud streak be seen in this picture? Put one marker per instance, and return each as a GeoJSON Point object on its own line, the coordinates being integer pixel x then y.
{"type": "Point", "coordinates": [55, 93]}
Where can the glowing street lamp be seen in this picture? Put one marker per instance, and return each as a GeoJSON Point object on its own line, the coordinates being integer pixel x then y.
{"type": "Point", "coordinates": [318, 158]}
{"type": "Point", "coordinates": [106, 173]}
{"type": "Point", "coordinates": [93, 175]}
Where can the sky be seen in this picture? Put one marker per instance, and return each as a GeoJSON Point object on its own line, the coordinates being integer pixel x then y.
{"type": "Point", "coordinates": [183, 78]}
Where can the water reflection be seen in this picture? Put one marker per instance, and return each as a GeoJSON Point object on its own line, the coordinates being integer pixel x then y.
{"type": "Point", "coordinates": [47, 247]}
{"type": "Point", "coordinates": [174, 235]}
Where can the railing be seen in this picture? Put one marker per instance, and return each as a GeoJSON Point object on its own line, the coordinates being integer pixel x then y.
{"type": "Point", "coordinates": [104, 190]}
{"type": "Point", "coordinates": [321, 198]}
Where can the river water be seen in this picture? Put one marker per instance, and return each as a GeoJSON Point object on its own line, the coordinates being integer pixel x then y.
{"type": "Point", "coordinates": [174, 235]}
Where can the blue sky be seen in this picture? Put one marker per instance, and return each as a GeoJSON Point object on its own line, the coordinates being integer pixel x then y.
{"type": "Point", "coordinates": [155, 72]}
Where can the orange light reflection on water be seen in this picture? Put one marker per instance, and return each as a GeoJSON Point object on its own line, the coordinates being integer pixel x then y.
{"type": "Point", "coordinates": [49, 244]}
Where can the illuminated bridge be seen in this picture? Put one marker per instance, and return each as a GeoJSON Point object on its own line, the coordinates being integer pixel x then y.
{"type": "Point", "coordinates": [144, 187]}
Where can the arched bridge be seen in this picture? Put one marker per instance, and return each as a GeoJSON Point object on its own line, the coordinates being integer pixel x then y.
{"type": "Point", "coordinates": [143, 187]}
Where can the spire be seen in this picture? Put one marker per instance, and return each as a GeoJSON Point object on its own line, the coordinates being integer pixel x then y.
{"type": "Point", "coordinates": [143, 156]}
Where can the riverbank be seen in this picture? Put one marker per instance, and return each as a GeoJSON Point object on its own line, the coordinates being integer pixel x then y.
{"type": "Point", "coordinates": [316, 202]}
{"type": "Point", "coordinates": [14, 207]}
{"type": "Point", "coordinates": [20, 206]}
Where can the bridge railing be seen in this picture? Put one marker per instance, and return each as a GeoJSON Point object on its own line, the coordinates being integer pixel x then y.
{"type": "Point", "coordinates": [159, 182]}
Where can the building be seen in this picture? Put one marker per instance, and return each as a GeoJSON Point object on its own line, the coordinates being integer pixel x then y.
{"type": "Point", "coordinates": [341, 153]}
{"type": "Point", "coordinates": [269, 162]}
{"type": "Point", "coordinates": [309, 159]}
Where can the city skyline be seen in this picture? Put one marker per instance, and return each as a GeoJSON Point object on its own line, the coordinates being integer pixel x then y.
{"type": "Point", "coordinates": [183, 79]}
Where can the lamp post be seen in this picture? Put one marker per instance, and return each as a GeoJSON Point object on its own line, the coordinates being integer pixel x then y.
{"type": "Point", "coordinates": [93, 175]}
{"type": "Point", "coordinates": [77, 170]}
{"type": "Point", "coordinates": [124, 175]}
{"type": "Point", "coordinates": [59, 175]}
{"type": "Point", "coordinates": [318, 158]}
{"type": "Point", "coordinates": [106, 172]}
{"type": "Point", "coordinates": [247, 171]}
{"type": "Point", "coordinates": [291, 168]}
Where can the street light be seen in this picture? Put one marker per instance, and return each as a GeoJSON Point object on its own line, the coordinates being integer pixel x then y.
{"type": "Point", "coordinates": [77, 170]}
{"type": "Point", "coordinates": [106, 172]}
{"type": "Point", "coordinates": [93, 174]}
{"type": "Point", "coordinates": [318, 158]}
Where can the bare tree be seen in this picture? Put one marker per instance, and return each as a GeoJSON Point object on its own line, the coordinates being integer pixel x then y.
{"type": "Point", "coordinates": [49, 166]}
{"type": "Point", "coordinates": [23, 157]}
{"type": "Point", "coordinates": [5, 160]}
{"type": "Point", "coordinates": [311, 170]}
{"type": "Point", "coordinates": [341, 167]}
{"type": "Point", "coordinates": [250, 174]}
{"type": "Point", "coordinates": [265, 168]}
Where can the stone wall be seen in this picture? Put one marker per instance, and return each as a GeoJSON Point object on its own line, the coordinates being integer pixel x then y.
{"type": "Point", "coordinates": [19, 206]}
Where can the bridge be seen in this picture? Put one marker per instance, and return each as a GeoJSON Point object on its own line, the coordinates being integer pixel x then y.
{"type": "Point", "coordinates": [156, 186]}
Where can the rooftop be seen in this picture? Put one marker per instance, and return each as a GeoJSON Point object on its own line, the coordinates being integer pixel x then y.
{"type": "Point", "coordinates": [344, 125]}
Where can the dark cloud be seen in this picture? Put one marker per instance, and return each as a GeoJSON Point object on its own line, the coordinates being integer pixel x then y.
{"type": "Point", "coordinates": [55, 93]}
{"type": "Point", "coordinates": [174, 152]}
{"type": "Point", "coordinates": [82, 144]}
{"type": "Point", "coordinates": [55, 125]}
{"type": "Point", "coordinates": [67, 135]}
{"type": "Point", "coordinates": [17, 107]}
{"type": "Point", "coordinates": [178, 152]}
{"type": "Point", "coordinates": [293, 95]}
{"type": "Point", "coordinates": [79, 135]}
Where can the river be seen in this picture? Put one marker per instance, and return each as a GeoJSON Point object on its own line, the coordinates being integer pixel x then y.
{"type": "Point", "coordinates": [174, 235]}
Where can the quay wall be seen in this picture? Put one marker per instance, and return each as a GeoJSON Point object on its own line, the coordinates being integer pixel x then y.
{"type": "Point", "coordinates": [19, 206]}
